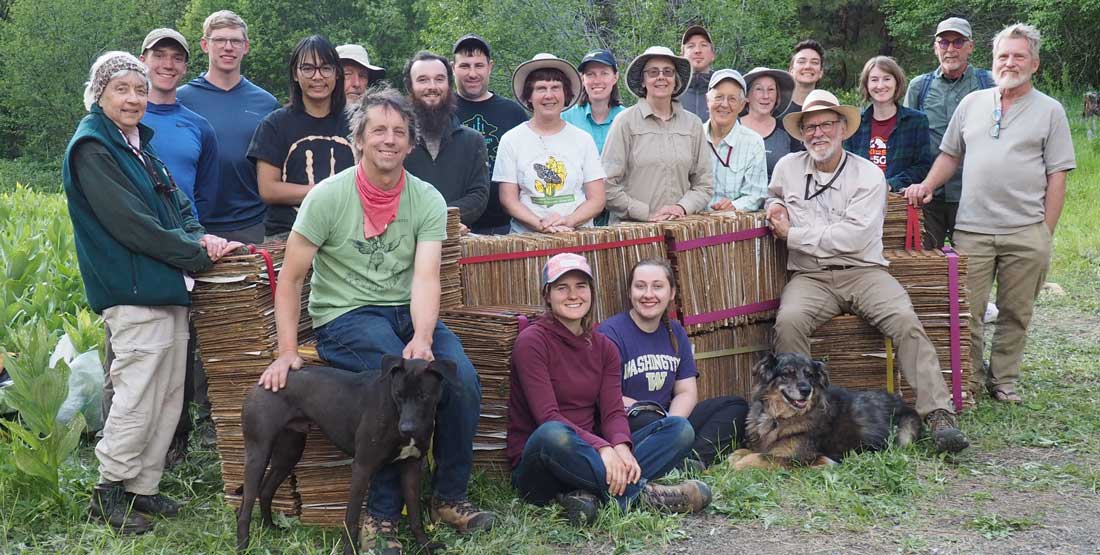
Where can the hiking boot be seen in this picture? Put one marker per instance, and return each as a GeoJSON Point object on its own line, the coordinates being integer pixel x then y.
{"type": "Point", "coordinates": [156, 504]}
{"type": "Point", "coordinates": [580, 507]}
{"type": "Point", "coordinates": [946, 435]}
{"type": "Point", "coordinates": [689, 496]}
{"type": "Point", "coordinates": [462, 515]}
{"type": "Point", "coordinates": [378, 536]}
{"type": "Point", "coordinates": [110, 504]}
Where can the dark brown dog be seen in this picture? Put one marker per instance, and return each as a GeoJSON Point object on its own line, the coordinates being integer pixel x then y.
{"type": "Point", "coordinates": [377, 419]}
{"type": "Point", "coordinates": [797, 419]}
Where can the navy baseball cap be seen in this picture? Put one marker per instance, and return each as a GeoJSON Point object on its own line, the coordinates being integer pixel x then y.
{"type": "Point", "coordinates": [474, 41]}
{"type": "Point", "coordinates": [602, 56]}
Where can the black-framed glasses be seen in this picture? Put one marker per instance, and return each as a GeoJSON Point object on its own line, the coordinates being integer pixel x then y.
{"type": "Point", "coordinates": [825, 127]}
{"type": "Point", "coordinates": [957, 43]}
{"type": "Point", "coordinates": [309, 70]}
{"type": "Point", "coordinates": [654, 73]}
{"type": "Point", "coordinates": [220, 42]}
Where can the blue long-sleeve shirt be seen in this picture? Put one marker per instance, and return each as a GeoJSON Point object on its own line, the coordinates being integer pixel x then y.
{"type": "Point", "coordinates": [188, 145]}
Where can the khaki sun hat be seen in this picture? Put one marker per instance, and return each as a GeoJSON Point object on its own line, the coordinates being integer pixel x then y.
{"type": "Point", "coordinates": [819, 100]}
{"type": "Point", "coordinates": [783, 81]}
{"type": "Point", "coordinates": [359, 55]}
{"type": "Point", "coordinates": [636, 82]}
{"type": "Point", "coordinates": [540, 61]}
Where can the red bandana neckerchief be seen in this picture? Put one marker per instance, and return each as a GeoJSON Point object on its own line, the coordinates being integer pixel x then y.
{"type": "Point", "coordinates": [379, 207]}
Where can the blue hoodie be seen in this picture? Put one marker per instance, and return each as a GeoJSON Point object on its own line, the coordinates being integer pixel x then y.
{"type": "Point", "coordinates": [234, 114]}
{"type": "Point", "coordinates": [188, 146]}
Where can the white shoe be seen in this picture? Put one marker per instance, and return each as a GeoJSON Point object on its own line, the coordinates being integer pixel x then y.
{"type": "Point", "coordinates": [991, 313]}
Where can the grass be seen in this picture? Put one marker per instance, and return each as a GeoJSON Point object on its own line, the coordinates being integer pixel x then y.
{"type": "Point", "coordinates": [1055, 436]}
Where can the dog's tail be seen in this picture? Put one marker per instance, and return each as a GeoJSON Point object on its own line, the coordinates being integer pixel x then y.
{"type": "Point", "coordinates": [909, 424]}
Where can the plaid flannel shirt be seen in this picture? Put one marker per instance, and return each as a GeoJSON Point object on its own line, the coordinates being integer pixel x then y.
{"type": "Point", "coordinates": [908, 156]}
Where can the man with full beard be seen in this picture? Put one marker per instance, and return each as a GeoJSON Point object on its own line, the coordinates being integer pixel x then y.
{"type": "Point", "coordinates": [1013, 188]}
{"type": "Point", "coordinates": [829, 206]}
{"type": "Point", "coordinates": [447, 154]}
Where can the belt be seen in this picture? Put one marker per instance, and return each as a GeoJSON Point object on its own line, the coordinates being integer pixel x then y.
{"type": "Point", "coordinates": [836, 268]}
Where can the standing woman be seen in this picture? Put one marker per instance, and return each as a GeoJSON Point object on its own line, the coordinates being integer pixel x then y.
{"type": "Point", "coordinates": [299, 145]}
{"type": "Point", "coordinates": [656, 157]}
{"type": "Point", "coordinates": [568, 438]}
{"type": "Point", "coordinates": [658, 368]}
{"type": "Point", "coordinates": [136, 239]}
{"type": "Point", "coordinates": [549, 171]}
{"type": "Point", "coordinates": [598, 102]}
{"type": "Point", "coordinates": [892, 136]}
{"type": "Point", "coordinates": [769, 96]}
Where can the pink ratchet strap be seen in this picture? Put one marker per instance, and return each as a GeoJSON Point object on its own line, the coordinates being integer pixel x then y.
{"type": "Point", "coordinates": [956, 348]}
{"type": "Point", "coordinates": [267, 262]}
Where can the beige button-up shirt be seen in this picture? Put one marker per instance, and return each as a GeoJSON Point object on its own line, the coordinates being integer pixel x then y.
{"type": "Point", "coordinates": [841, 226]}
{"type": "Point", "coordinates": [652, 163]}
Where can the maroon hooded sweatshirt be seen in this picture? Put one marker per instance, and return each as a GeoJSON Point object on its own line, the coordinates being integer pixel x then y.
{"type": "Point", "coordinates": [558, 376]}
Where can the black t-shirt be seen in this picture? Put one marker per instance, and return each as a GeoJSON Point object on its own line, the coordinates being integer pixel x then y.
{"type": "Point", "coordinates": [796, 142]}
{"type": "Point", "coordinates": [306, 149]}
{"type": "Point", "coordinates": [492, 118]}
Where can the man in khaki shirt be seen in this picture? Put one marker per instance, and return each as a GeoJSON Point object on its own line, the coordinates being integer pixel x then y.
{"type": "Point", "coordinates": [829, 205]}
{"type": "Point", "coordinates": [1015, 148]}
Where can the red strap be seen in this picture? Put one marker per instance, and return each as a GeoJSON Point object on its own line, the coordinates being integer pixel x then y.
{"type": "Point", "coordinates": [267, 262]}
{"type": "Point", "coordinates": [708, 317]}
{"type": "Point", "coordinates": [912, 229]}
{"type": "Point", "coordinates": [956, 340]}
{"type": "Point", "coordinates": [550, 252]}
{"type": "Point", "coordinates": [722, 239]}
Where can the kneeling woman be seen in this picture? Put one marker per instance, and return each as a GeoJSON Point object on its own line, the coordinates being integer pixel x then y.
{"type": "Point", "coordinates": [658, 368]}
{"type": "Point", "coordinates": [568, 438]}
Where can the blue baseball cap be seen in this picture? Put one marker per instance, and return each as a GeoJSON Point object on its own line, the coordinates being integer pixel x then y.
{"type": "Point", "coordinates": [602, 56]}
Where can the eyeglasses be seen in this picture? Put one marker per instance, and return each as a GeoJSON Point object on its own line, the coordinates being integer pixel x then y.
{"type": "Point", "coordinates": [654, 73]}
{"type": "Point", "coordinates": [731, 100]}
{"type": "Point", "coordinates": [220, 42]}
{"type": "Point", "coordinates": [825, 127]}
{"type": "Point", "coordinates": [957, 43]}
{"type": "Point", "coordinates": [309, 70]}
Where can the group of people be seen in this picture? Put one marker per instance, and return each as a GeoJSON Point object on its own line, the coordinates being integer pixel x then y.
{"type": "Point", "coordinates": [163, 181]}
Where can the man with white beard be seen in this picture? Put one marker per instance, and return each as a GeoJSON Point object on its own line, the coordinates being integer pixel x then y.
{"type": "Point", "coordinates": [1014, 185]}
{"type": "Point", "coordinates": [447, 154]}
{"type": "Point", "coordinates": [829, 206]}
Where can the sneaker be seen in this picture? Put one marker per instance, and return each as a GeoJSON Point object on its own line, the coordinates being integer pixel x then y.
{"type": "Point", "coordinates": [157, 504]}
{"type": "Point", "coordinates": [378, 536]}
{"type": "Point", "coordinates": [689, 496]}
{"type": "Point", "coordinates": [946, 435]}
{"type": "Point", "coordinates": [110, 504]}
{"type": "Point", "coordinates": [580, 507]}
{"type": "Point", "coordinates": [462, 515]}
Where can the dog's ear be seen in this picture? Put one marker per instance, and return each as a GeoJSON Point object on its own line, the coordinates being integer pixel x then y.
{"type": "Point", "coordinates": [763, 370]}
{"type": "Point", "coordinates": [822, 373]}
{"type": "Point", "coordinates": [447, 369]}
{"type": "Point", "coordinates": [391, 363]}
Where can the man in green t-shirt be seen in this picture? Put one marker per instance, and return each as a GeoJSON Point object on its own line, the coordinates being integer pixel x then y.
{"type": "Point", "coordinates": [373, 234]}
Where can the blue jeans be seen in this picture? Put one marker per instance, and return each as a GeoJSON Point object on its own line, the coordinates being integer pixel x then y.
{"type": "Point", "coordinates": [556, 460]}
{"type": "Point", "coordinates": [356, 341]}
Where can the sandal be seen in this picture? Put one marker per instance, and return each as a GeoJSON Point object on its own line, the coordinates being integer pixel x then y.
{"type": "Point", "coordinates": [1005, 394]}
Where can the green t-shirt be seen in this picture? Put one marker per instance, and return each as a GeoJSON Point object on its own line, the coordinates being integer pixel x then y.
{"type": "Point", "coordinates": [350, 272]}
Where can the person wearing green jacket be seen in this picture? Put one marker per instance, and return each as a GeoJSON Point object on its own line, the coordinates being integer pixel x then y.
{"type": "Point", "coordinates": [136, 239]}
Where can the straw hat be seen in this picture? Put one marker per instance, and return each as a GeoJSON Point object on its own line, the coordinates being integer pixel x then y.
{"type": "Point", "coordinates": [783, 81]}
{"type": "Point", "coordinates": [817, 101]}
{"type": "Point", "coordinates": [635, 81]}
{"type": "Point", "coordinates": [540, 61]}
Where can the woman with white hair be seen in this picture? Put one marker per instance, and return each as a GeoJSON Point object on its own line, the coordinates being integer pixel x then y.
{"type": "Point", "coordinates": [136, 239]}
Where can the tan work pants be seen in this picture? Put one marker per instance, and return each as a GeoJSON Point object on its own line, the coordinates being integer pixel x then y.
{"type": "Point", "coordinates": [812, 298]}
{"type": "Point", "coordinates": [1019, 263]}
{"type": "Point", "coordinates": [150, 347]}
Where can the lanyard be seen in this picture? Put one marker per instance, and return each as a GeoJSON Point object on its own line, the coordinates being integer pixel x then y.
{"type": "Point", "coordinates": [729, 152]}
{"type": "Point", "coordinates": [828, 185]}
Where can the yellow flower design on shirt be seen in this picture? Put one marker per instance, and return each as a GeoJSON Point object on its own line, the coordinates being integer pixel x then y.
{"type": "Point", "coordinates": [551, 177]}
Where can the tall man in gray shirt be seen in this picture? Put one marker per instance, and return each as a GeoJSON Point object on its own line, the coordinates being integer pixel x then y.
{"type": "Point", "coordinates": [937, 94]}
{"type": "Point", "coordinates": [1015, 149]}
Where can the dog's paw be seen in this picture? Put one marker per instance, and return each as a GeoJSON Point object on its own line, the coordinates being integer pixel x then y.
{"type": "Point", "coordinates": [738, 455]}
{"type": "Point", "coordinates": [823, 461]}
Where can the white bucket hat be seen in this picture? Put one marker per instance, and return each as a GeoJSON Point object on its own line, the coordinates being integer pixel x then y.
{"type": "Point", "coordinates": [540, 61]}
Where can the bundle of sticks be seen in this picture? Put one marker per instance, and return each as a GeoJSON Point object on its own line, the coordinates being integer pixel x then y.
{"type": "Point", "coordinates": [724, 358]}
{"type": "Point", "coordinates": [895, 227]}
{"type": "Point", "coordinates": [450, 275]}
{"type": "Point", "coordinates": [506, 269]}
{"type": "Point", "coordinates": [488, 334]}
{"type": "Point", "coordinates": [729, 269]}
{"type": "Point", "coordinates": [856, 352]}
{"type": "Point", "coordinates": [234, 315]}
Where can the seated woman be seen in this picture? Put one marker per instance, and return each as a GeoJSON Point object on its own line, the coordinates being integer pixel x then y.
{"type": "Point", "coordinates": [658, 369]}
{"type": "Point", "coordinates": [549, 171]}
{"type": "Point", "coordinates": [892, 136]}
{"type": "Point", "coordinates": [568, 438]}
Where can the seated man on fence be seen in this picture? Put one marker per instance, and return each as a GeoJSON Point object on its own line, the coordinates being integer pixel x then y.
{"type": "Point", "coordinates": [829, 206]}
{"type": "Point", "coordinates": [373, 234]}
